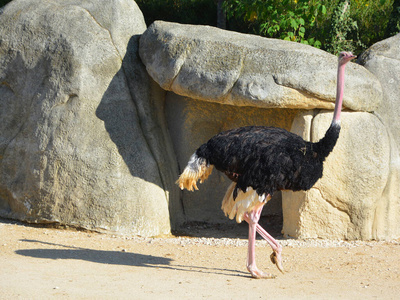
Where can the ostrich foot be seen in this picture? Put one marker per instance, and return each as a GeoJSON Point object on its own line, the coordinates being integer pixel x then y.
{"type": "Point", "coordinates": [276, 259]}
{"type": "Point", "coordinates": [256, 273]}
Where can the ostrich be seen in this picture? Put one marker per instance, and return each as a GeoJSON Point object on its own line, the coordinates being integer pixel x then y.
{"type": "Point", "coordinates": [261, 160]}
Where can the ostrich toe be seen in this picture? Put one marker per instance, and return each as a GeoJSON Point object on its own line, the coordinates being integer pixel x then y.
{"type": "Point", "coordinates": [277, 260]}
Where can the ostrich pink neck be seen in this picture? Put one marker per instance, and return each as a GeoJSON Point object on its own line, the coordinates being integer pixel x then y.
{"type": "Point", "coordinates": [339, 93]}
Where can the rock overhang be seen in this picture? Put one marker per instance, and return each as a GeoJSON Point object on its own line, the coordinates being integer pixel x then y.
{"type": "Point", "coordinates": [216, 65]}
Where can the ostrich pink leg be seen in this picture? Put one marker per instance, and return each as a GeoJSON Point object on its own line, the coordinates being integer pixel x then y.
{"type": "Point", "coordinates": [276, 256]}
{"type": "Point", "coordinates": [252, 218]}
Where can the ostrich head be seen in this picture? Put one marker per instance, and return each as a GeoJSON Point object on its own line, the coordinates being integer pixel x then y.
{"type": "Point", "coordinates": [345, 57]}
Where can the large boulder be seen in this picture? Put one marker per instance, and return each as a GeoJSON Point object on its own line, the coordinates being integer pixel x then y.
{"type": "Point", "coordinates": [227, 67]}
{"type": "Point", "coordinates": [383, 60]}
{"type": "Point", "coordinates": [81, 139]}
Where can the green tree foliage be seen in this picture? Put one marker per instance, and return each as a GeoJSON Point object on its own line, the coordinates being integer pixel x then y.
{"type": "Point", "coordinates": [333, 25]}
{"type": "Point", "coordinates": [393, 26]}
{"type": "Point", "coordinates": [343, 26]}
{"type": "Point", "coordinates": [372, 17]}
{"type": "Point", "coordinates": [284, 19]}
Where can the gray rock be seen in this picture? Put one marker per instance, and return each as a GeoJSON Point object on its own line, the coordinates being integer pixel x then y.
{"type": "Point", "coordinates": [383, 60]}
{"type": "Point", "coordinates": [81, 142]}
{"type": "Point", "coordinates": [215, 65]}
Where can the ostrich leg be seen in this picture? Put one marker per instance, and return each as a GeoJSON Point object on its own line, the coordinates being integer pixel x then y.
{"type": "Point", "coordinates": [252, 218]}
{"type": "Point", "coordinates": [276, 256]}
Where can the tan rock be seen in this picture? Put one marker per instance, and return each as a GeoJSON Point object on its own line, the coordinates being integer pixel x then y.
{"type": "Point", "coordinates": [348, 201]}
{"type": "Point", "coordinates": [383, 60]}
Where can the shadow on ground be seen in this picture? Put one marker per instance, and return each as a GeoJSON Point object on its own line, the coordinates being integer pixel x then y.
{"type": "Point", "coordinates": [92, 255]}
{"type": "Point", "coordinates": [117, 258]}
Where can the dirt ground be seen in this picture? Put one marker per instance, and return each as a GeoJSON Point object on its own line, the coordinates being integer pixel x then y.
{"type": "Point", "coordinates": [51, 263]}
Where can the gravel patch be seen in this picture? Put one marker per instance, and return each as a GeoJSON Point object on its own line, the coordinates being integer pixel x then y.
{"type": "Point", "coordinates": [293, 243]}
{"type": "Point", "coordinates": [235, 242]}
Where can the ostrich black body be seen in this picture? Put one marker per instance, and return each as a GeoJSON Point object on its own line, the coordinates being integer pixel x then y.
{"type": "Point", "coordinates": [268, 158]}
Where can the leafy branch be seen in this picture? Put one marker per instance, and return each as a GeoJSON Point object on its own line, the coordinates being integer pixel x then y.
{"type": "Point", "coordinates": [286, 19]}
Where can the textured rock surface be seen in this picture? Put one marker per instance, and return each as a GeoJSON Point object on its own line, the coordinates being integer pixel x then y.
{"type": "Point", "coordinates": [348, 202]}
{"type": "Point", "coordinates": [210, 64]}
{"type": "Point", "coordinates": [383, 60]}
{"type": "Point", "coordinates": [81, 142]}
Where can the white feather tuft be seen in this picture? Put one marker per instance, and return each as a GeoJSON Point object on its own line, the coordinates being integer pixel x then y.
{"type": "Point", "coordinates": [244, 202]}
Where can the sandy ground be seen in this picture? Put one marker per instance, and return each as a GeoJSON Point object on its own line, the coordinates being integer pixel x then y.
{"type": "Point", "coordinates": [49, 263]}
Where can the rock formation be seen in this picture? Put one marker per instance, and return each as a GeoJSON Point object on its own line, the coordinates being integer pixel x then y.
{"type": "Point", "coordinates": [291, 85]}
{"type": "Point", "coordinates": [82, 140]}
{"type": "Point", "coordinates": [89, 139]}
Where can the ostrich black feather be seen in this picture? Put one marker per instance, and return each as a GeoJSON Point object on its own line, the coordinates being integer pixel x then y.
{"type": "Point", "coordinates": [268, 159]}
